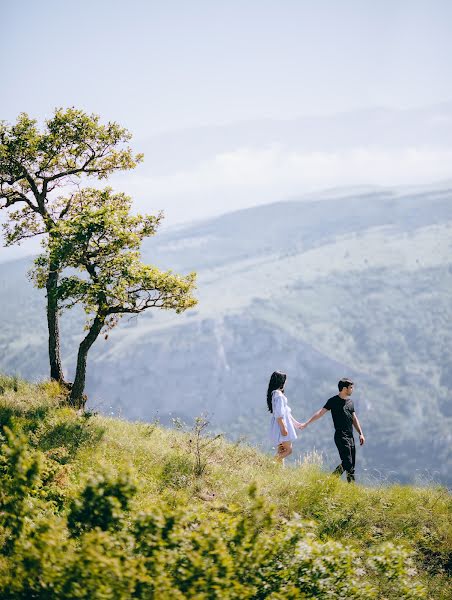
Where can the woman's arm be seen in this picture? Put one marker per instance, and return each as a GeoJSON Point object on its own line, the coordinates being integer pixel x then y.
{"type": "Point", "coordinates": [282, 426]}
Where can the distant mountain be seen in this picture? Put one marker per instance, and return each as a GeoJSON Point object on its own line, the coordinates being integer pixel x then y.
{"type": "Point", "coordinates": [357, 284]}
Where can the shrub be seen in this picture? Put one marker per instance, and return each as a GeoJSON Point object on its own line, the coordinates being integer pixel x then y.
{"type": "Point", "coordinates": [65, 429]}
{"type": "Point", "coordinates": [19, 475]}
{"type": "Point", "coordinates": [177, 471]}
{"type": "Point", "coordinates": [256, 555]}
{"type": "Point", "coordinates": [101, 504]}
{"type": "Point", "coordinates": [101, 568]}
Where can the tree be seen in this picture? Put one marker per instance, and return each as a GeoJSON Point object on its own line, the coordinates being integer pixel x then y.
{"type": "Point", "coordinates": [100, 238]}
{"type": "Point", "coordinates": [34, 164]}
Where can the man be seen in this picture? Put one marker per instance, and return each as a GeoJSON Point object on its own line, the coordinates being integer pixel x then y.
{"type": "Point", "coordinates": [344, 419]}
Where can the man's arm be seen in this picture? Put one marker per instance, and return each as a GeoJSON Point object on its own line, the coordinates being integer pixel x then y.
{"type": "Point", "coordinates": [357, 426]}
{"type": "Point", "coordinates": [314, 417]}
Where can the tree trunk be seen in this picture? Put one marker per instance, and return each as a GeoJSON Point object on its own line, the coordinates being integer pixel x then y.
{"type": "Point", "coordinates": [77, 398]}
{"type": "Point", "coordinates": [56, 369]}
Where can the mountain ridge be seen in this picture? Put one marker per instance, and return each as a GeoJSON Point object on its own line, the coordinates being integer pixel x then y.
{"type": "Point", "coordinates": [356, 286]}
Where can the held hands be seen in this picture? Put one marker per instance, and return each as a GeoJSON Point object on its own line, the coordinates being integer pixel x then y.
{"type": "Point", "coordinates": [301, 425]}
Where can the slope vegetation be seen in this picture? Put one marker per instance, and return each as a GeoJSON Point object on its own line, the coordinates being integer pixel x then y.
{"type": "Point", "coordinates": [97, 507]}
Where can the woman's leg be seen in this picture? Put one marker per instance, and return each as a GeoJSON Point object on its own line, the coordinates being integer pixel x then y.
{"type": "Point", "coordinates": [284, 449]}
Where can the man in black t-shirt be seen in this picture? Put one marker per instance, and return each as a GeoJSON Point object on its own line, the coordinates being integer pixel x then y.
{"type": "Point", "coordinates": [344, 419]}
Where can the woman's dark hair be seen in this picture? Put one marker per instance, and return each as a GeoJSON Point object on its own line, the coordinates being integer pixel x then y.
{"type": "Point", "coordinates": [277, 381]}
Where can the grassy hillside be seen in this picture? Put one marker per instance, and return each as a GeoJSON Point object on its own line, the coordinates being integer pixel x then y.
{"type": "Point", "coordinates": [96, 507]}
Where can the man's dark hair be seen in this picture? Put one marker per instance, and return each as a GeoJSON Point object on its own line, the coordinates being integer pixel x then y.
{"type": "Point", "coordinates": [344, 383]}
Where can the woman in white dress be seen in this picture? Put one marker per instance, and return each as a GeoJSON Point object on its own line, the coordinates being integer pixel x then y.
{"type": "Point", "coordinates": [283, 425]}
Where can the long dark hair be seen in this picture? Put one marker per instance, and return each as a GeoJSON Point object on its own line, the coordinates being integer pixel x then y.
{"type": "Point", "coordinates": [277, 381]}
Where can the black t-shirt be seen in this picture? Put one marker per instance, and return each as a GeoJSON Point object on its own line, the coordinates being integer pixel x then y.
{"type": "Point", "coordinates": [342, 413]}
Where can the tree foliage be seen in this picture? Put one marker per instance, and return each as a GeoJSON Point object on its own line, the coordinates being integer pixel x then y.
{"type": "Point", "coordinates": [35, 164]}
{"type": "Point", "coordinates": [96, 247]}
{"type": "Point", "coordinates": [91, 232]}
{"type": "Point", "coordinates": [101, 239]}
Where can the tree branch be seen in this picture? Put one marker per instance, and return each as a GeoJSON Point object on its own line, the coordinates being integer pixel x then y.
{"type": "Point", "coordinates": [67, 207]}
{"type": "Point", "coordinates": [14, 196]}
{"type": "Point", "coordinates": [24, 236]}
{"type": "Point", "coordinates": [73, 171]}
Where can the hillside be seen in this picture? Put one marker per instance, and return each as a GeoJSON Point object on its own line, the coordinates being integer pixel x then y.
{"type": "Point", "coordinates": [97, 507]}
{"type": "Point", "coordinates": [350, 282]}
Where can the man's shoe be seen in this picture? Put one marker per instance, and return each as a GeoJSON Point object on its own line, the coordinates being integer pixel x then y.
{"type": "Point", "coordinates": [338, 471]}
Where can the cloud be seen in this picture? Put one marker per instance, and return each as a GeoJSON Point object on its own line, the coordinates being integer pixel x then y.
{"type": "Point", "coordinates": [250, 176]}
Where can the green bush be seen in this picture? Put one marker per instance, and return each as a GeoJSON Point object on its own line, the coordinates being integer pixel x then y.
{"type": "Point", "coordinates": [101, 568]}
{"type": "Point", "coordinates": [20, 478]}
{"type": "Point", "coordinates": [65, 429]}
{"type": "Point", "coordinates": [101, 504]}
{"type": "Point", "coordinates": [177, 471]}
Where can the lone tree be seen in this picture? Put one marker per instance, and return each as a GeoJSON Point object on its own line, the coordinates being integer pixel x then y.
{"type": "Point", "coordinates": [100, 239]}
{"type": "Point", "coordinates": [35, 164]}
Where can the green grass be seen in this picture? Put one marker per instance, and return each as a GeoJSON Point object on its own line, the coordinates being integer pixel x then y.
{"type": "Point", "coordinates": [169, 471]}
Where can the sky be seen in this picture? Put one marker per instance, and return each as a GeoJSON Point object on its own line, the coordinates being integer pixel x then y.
{"type": "Point", "coordinates": [175, 72]}
{"type": "Point", "coordinates": [165, 65]}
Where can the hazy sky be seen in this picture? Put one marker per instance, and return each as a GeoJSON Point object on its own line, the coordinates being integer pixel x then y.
{"type": "Point", "coordinates": [169, 64]}
{"type": "Point", "coordinates": [176, 66]}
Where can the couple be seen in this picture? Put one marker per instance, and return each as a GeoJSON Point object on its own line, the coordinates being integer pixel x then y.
{"type": "Point", "coordinates": [283, 425]}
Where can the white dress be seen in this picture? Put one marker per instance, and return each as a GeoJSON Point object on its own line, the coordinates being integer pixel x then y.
{"type": "Point", "coordinates": [281, 409]}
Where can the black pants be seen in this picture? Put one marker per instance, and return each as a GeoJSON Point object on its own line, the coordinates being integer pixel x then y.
{"type": "Point", "coordinates": [346, 446]}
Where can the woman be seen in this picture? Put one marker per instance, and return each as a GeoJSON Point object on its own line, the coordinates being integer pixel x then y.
{"type": "Point", "coordinates": [283, 425]}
